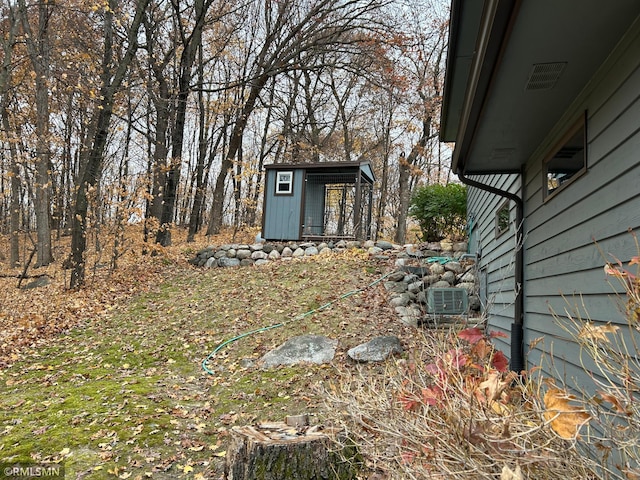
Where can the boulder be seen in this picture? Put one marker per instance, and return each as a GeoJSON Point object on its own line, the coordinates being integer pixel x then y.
{"type": "Point", "coordinates": [384, 245]}
{"type": "Point", "coordinates": [259, 255]}
{"type": "Point", "coordinates": [211, 263]}
{"type": "Point", "coordinates": [306, 348]}
{"type": "Point", "coordinates": [377, 350]}
{"type": "Point", "coordinates": [454, 267]}
{"type": "Point", "coordinates": [243, 253]}
{"type": "Point", "coordinates": [449, 277]}
{"type": "Point", "coordinates": [228, 262]}
{"type": "Point", "coordinates": [436, 269]}
{"type": "Point", "coordinates": [309, 251]}
{"type": "Point", "coordinates": [400, 300]}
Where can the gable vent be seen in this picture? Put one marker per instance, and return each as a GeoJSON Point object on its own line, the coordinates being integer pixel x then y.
{"type": "Point", "coordinates": [544, 76]}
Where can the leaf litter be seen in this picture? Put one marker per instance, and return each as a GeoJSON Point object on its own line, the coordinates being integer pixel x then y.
{"type": "Point", "coordinates": [107, 379]}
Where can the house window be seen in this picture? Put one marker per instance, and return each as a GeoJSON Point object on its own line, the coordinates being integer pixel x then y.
{"type": "Point", "coordinates": [503, 218]}
{"type": "Point", "coordinates": [284, 183]}
{"type": "Point", "coordinates": [567, 161]}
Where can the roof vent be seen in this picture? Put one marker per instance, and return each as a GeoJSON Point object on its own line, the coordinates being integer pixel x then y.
{"type": "Point", "coordinates": [544, 76]}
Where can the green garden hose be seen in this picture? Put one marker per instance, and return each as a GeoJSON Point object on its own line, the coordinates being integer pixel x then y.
{"type": "Point", "coordinates": [270, 327]}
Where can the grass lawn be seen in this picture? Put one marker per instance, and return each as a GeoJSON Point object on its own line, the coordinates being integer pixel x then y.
{"type": "Point", "coordinates": [119, 390]}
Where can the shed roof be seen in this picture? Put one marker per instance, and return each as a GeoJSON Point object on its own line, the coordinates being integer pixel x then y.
{"type": "Point", "coordinates": [364, 166]}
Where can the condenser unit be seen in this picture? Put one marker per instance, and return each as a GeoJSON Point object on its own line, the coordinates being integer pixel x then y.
{"type": "Point", "coordinates": [447, 301]}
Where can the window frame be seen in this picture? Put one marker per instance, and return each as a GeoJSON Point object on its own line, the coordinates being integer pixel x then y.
{"type": "Point", "coordinates": [278, 183]}
{"type": "Point", "coordinates": [579, 125]}
{"type": "Point", "coordinates": [504, 207]}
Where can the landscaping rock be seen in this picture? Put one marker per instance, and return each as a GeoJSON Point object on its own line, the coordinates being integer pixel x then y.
{"type": "Point", "coordinates": [309, 251]}
{"type": "Point", "coordinates": [384, 245]}
{"type": "Point", "coordinates": [259, 255]}
{"type": "Point", "coordinates": [436, 269]}
{"type": "Point", "coordinates": [243, 253]}
{"type": "Point", "coordinates": [401, 300]}
{"type": "Point", "coordinates": [306, 348]}
{"type": "Point", "coordinates": [211, 263]}
{"type": "Point", "coordinates": [228, 262]}
{"type": "Point", "coordinates": [377, 350]}
{"type": "Point", "coordinates": [448, 277]}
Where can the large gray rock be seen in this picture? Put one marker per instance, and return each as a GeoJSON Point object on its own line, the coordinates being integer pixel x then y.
{"type": "Point", "coordinates": [449, 277]}
{"type": "Point", "coordinates": [377, 350]}
{"type": "Point", "coordinates": [243, 253]}
{"type": "Point", "coordinates": [211, 263]}
{"type": "Point", "coordinates": [384, 245]}
{"type": "Point", "coordinates": [228, 262]}
{"type": "Point", "coordinates": [396, 276]}
{"type": "Point", "coordinates": [436, 269]}
{"type": "Point", "coordinates": [309, 251]}
{"type": "Point", "coordinates": [400, 300]}
{"type": "Point", "coordinates": [305, 348]}
{"type": "Point", "coordinates": [454, 267]}
{"type": "Point", "coordinates": [259, 255]}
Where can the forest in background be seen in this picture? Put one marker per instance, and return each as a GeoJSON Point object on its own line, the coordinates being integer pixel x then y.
{"type": "Point", "coordinates": [166, 111]}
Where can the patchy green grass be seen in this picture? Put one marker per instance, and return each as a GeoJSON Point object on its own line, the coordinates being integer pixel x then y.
{"type": "Point", "coordinates": [126, 396]}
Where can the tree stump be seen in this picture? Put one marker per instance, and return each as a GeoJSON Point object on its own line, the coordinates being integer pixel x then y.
{"type": "Point", "coordinates": [277, 451]}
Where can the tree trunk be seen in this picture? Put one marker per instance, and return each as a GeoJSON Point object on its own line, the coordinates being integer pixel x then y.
{"type": "Point", "coordinates": [403, 188]}
{"type": "Point", "coordinates": [276, 451]}
{"type": "Point", "coordinates": [14, 200]}
{"type": "Point", "coordinates": [163, 237]}
{"type": "Point", "coordinates": [38, 47]}
{"type": "Point", "coordinates": [198, 196]}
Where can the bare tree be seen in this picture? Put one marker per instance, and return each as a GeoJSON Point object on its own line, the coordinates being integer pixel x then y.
{"type": "Point", "coordinates": [8, 42]}
{"type": "Point", "coordinates": [290, 29]}
{"type": "Point", "coordinates": [113, 74]}
{"type": "Point", "coordinates": [39, 49]}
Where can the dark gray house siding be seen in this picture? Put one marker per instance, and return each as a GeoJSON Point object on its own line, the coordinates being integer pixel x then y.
{"type": "Point", "coordinates": [495, 253]}
{"type": "Point", "coordinates": [563, 265]}
{"type": "Point", "coordinates": [509, 117]}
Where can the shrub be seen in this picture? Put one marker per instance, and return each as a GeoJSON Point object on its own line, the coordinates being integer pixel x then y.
{"type": "Point", "coordinates": [440, 210]}
{"type": "Point", "coordinates": [453, 411]}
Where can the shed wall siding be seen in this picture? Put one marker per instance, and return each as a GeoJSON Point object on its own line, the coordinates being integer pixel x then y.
{"type": "Point", "coordinates": [563, 265]}
{"type": "Point", "coordinates": [282, 217]}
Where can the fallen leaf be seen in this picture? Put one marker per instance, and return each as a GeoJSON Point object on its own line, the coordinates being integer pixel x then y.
{"type": "Point", "coordinates": [493, 386]}
{"type": "Point", "coordinates": [508, 474]}
{"type": "Point", "coordinates": [565, 419]}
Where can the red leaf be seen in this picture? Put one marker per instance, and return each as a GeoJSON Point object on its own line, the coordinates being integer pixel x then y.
{"type": "Point", "coordinates": [457, 358]}
{"type": "Point", "coordinates": [471, 335]}
{"type": "Point", "coordinates": [500, 362]}
{"type": "Point", "coordinates": [433, 369]}
{"type": "Point", "coordinates": [407, 402]}
{"type": "Point", "coordinates": [431, 395]}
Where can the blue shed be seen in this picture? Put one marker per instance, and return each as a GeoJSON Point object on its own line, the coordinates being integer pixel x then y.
{"type": "Point", "coordinates": [318, 201]}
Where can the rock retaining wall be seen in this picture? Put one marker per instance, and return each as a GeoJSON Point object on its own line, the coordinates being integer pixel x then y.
{"type": "Point", "coordinates": [416, 268]}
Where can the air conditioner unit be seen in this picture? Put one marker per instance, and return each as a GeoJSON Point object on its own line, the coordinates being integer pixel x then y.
{"type": "Point", "coordinates": [447, 301]}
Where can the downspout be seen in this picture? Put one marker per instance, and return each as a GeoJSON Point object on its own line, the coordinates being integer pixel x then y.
{"type": "Point", "coordinates": [517, 327]}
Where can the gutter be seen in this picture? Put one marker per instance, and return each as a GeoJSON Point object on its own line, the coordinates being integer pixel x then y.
{"type": "Point", "coordinates": [517, 327]}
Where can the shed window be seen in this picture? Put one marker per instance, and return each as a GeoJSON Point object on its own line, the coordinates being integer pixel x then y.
{"type": "Point", "coordinates": [284, 183]}
{"type": "Point", "coordinates": [567, 161]}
